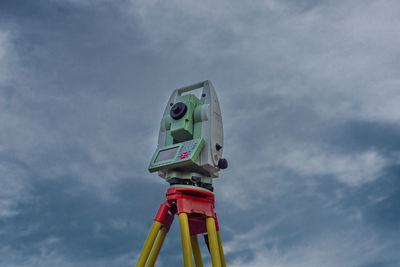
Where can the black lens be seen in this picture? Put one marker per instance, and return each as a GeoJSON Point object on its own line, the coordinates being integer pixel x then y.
{"type": "Point", "coordinates": [178, 110]}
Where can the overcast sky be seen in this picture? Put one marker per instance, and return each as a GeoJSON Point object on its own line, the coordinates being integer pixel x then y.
{"type": "Point", "coordinates": [309, 92]}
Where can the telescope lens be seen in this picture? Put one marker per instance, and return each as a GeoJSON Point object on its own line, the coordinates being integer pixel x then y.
{"type": "Point", "coordinates": [178, 110]}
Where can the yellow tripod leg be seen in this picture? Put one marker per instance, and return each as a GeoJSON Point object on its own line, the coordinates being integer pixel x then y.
{"type": "Point", "coordinates": [148, 244]}
{"type": "Point", "coordinates": [185, 238]}
{"type": "Point", "coordinates": [196, 251]}
{"type": "Point", "coordinates": [213, 242]}
{"type": "Point", "coordinates": [221, 250]}
{"type": "Point", "coordinates": [156, 248]}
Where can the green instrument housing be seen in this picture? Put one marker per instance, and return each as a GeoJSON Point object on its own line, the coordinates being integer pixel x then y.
{"type": "Point", "coordinates": [185, 128]}
{"type": "Point", "coordinates": [190, 139]}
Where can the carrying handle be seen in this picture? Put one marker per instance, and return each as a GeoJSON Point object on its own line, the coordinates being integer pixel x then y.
{"type": "Point", "coordinates": [192, 87]}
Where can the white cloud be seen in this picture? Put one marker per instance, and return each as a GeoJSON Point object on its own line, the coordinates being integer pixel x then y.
{"type": "Point", "coordinates": [5, 51]}
{"type": "Point", "coordinates": [41, 130]}
{"type": "Point", "coordinates": [48, 254]}
{"type": "Point", "coordinates": [265, 173]}
{"type": "Point", "coordinates": [338, 57]}
{"type": "Point", "coordinates": [14, 184]}
{"type": "Point", "coordinates": [14, 189]}
{"type": "Point", "coordinates": [350, 247]}
{"type": "Point", "coordinates": [84, 3]}
{"type": "Point", "coordinates": [352, 169]}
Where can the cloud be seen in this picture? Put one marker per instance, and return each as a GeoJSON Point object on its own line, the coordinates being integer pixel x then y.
{"type": "Point", "coordinates": [14, 189]}
{"type": "Point", "coordinates": [334, 249]}
{"type": "Point", "coordinates": [353, 170]}
{"type": "Point", "coordinates": [7, 61]}
{"type": "Point", "coordinates": [309, 100]}
{"type": "Point", "coordinates": [14, 184]}
{"type": "Point", "coordinates": [47, 256]}
{"type": "Point", "coordinates": [339, 58]}
{"type": "Point", "coordinates": [3, 48]}
{"type": "Point", "coordinates": [65, 133]}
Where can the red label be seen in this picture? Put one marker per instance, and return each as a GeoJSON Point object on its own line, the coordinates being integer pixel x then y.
{"type": "Point", "coordinates": [183, 155]}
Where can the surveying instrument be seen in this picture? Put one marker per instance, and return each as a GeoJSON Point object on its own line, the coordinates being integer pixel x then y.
{"type": "Point", "coordinates": [188, 157]}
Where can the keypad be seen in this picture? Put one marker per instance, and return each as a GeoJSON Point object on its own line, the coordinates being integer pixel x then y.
{"type": "Point", "coordinates": [187, 149]}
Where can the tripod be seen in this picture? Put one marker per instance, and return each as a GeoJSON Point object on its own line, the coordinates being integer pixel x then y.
{"type": "Point", "coordinates": [195, 209]}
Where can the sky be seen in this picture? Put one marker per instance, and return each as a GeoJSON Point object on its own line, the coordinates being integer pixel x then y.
{"type": "Point", "coordinates": [309, 94]}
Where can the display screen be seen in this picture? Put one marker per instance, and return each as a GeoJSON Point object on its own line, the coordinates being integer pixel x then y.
{"type": "Point", "coordinates": [166, 154]}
